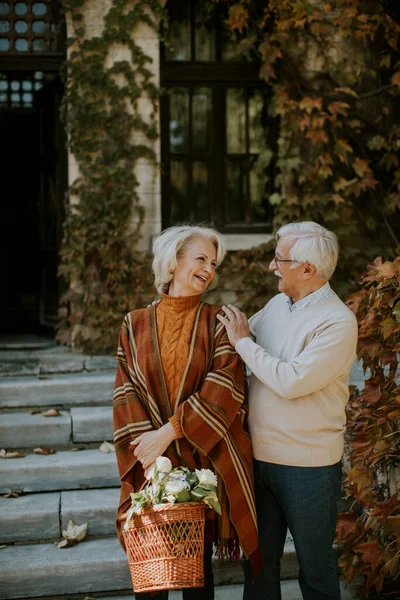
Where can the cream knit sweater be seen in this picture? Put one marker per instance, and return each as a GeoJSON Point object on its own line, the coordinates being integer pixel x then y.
{"type": "Point", "coordinates": [300, 364]}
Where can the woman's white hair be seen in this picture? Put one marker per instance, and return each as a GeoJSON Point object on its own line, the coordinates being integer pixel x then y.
{"type": "Point", "coordinates": [173, 242]}
{"type": "Point", "coordinates": [313, 244]}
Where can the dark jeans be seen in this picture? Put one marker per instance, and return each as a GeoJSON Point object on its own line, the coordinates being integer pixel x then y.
{"type": "Point", "coordinates": [199, 593]}
{"type": "Point", "coordinates": [303, 499]}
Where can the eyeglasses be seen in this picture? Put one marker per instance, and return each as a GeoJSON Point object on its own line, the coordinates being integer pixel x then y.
{"type": "Point", "coordinates": [282, 260]}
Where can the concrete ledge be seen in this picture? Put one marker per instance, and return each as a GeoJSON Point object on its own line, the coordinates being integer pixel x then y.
{"type": "Point", "coordinates": [60, 471]}
{"type": "Point", "coordinates": [92, 424]}
{"type": "Point", "coordinates": [28, 518]}
{"type": "Point", "coordinates": [82, 389]}
{"type": "Point", "coordinates": [43, 570]}
{"type": "Point", "coordinates": [25, 430]}
{"type": "Point", "coordinates": [91, 566]}
{"type": "Point", "coordinates": [97, 508]}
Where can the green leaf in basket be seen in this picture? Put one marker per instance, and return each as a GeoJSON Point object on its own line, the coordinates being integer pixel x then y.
{"type": "Point", "coordinates": [183, 496]}
{"type": "Point", "coordinates": [206, 486]}
{"type": "Point", "coordinates": [136, 497]}
{"type": "Point", "coordinates": [212, 500]}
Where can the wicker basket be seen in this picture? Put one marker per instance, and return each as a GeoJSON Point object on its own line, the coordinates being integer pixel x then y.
{"type": "Point", "coordinates": [165, 547]}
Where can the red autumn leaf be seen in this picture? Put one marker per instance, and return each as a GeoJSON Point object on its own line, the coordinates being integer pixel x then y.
{"type": "Point", "coordinates": [370, 552]}
{"type": "Point", "coordinates": [396, 79]}
{"type": "Point", "coordinates": [353, 302]}
{"type": "Point", "coordinates": [372, 392]}
{"type": "Point", "coordinates": [51, 412]}
{"type": "Point", "coordinates": [362, 478]}
{"type": "Point", "coordinates": [44, 451]}
{"type": "Point", "coordinates": [361, 167]}
{"type": "Point", "coordinates": [338, 108]}
{"type": "Point", "coordinates": [346, 525]}
{"type": "Point", "coordinates": [308, 104]}
{"type": "Point", "coordinates": [238, 17]}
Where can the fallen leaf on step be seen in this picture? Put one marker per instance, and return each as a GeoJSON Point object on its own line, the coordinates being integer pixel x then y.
{"type": "Point", "coordinates": [73, 535]}
{"type": "Point", "coordinates": [52, 412]}
{"type": "Point", "coordinates": [11, 454]}
{"type": "Point", "coordinates": [35, 411]}
{"type": "Point", "coordinates": [3, 546]}
{"type": "Point", "coordinates": [44, 451]}
{"type": "Point", "coordinates": [107, 447]}
{"type": "Point", "coordinates": [14, 494]}
{"type": "Point", "coordinates": [74, 450]}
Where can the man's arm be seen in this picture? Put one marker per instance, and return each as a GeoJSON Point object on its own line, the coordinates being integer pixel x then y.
{"type": "Point", "coordinates": [326, 357]}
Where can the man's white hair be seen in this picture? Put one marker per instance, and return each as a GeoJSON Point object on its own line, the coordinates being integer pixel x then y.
{"type": "Point", "coordinates": [173, 242]}
{"type": "Point", "coordinates": [313, 244]}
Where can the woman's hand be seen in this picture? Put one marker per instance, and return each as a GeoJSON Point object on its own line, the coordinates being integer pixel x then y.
{"type": "Point", "coordinates": [152, 444]}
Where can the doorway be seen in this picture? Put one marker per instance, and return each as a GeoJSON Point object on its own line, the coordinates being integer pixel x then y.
{"type": "Point", "coordinates": [33, 159]}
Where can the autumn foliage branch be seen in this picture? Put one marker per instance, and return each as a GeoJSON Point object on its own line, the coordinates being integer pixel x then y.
{"type": "Point", "coordinates": [370, 533]}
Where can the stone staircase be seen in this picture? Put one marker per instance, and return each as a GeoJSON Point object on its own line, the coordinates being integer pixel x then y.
{"type": "Point", "coordinates": [77, 482]}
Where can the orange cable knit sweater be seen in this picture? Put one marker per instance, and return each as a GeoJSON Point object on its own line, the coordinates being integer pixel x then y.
{"type": "Point", "coordinates": [175, 319]}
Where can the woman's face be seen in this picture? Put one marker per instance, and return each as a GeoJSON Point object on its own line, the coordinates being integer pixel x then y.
{"type": "Point", "coordinates": [196, 268]}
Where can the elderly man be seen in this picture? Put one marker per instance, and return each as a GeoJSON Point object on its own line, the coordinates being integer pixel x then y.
{"type": "Point", "coordinates": [300, 348]}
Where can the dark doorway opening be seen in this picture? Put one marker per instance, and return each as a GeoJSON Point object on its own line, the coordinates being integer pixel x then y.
{"type": "Point", "coordinates": [33, 166]}
{"type": "Point", "coordinates": [33, 160]}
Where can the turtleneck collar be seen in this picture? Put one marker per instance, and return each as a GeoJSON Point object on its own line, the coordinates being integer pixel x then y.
{"type": "Point", "coordinates": [180, 303]}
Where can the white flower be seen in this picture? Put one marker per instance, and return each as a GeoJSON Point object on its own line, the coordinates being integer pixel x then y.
{"type": "Point", "coordinates": [163, 464]}
{"type": "Point", "coordinates": [175, 487]}
{"type": "Point", "coordinates": [149, 472]}
{"type": "Point", "coordinates": [206, 476]}
{"type": "Point", "coordinates": [170, 498]}
{"type": "Point", "coordinates": [177, 475]}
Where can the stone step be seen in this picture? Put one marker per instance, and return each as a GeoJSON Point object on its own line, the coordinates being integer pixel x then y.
{"type": "Point", "coordinates": [80, 425]}
{"type": "Point", "coordinates": [290, 591]}
{"type": "Point", "coordinates": [30, 518]}
{"type": "Point", "coordinates": [97, 508]}
{"type": "Point", "coordinates": [59, 471]}
{"type": "Point", "coordinates": [33, 570]}
{"type": "Point", "coordinates": [25, 430]}
{"type": "Point", "coordinates": [40, 517]}
{"type": "Point", "coordinates": [92, 424]}
{"type": "Point", "coordinates": [79, 389]}
{"type": "Point", "coordinates": [16, 361]}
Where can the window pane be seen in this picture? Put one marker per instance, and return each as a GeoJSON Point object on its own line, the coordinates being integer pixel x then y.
{"type": "Point", "coordinates": [201, 115]}
{"type": "Point", "coordinates": [180, 207]}
{"type": "Point", "coordinates": [235, 121]}
{"type": "Point", "coordinates": [256, 130]}
{"type": "Point", "coordinates": [178, 34]}
{"type": "Point", "coordinates": [205, 31]}
{"type": "Point", "coordinates": [21, 8]}
{"type": "Point", "coordinates": [179, 122]}
{"type": "Point", "coordinates": [4, 8]}
{"type": "Point", "coordinates": [236, 183]}
{"type": "Point", "coordinates": [230, 46]}
{"type": "Point", "coordinates": [258, 196]}
{"type": "Point", "coordinates": [4, 26]}
{"type": "Point", "coordinates": [21, 45]}
{"type": "Point", "coordinates": [200, 191]}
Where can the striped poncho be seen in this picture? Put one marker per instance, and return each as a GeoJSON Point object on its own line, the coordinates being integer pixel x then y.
{"type": "Point", "coordinates": [212, 411]}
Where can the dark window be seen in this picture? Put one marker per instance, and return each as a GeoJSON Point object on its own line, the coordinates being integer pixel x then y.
{"type": "Point", "coordinates": [27, 27]}
{"type": "Point", "coordinates": [218, 141]}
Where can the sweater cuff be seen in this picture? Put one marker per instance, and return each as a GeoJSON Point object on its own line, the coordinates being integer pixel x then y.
{"type": "Point", "coordinates": [242, 344]}
{"type": "Point", "coordinates": [174, 420]}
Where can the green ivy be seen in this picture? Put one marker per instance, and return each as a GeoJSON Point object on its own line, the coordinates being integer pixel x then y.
{"type": "Point", "coordinates": [105, 276]}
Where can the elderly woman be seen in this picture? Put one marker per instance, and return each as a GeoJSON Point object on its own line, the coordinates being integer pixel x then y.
{"type": "Point", "coordinates": [180, 391]}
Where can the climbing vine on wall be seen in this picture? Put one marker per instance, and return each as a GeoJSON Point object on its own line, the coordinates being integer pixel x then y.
{"type": "Point", "coordinates": [103, 215]}
{"type": "Point", "coordinates": [334, 72]}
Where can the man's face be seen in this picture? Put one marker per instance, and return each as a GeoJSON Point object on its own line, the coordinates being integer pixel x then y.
{"type": "Point", "coordinates": [290, 281]}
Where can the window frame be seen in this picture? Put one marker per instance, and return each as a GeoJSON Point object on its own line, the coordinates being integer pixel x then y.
{"type": "Point", "coordinates": [218, 76]}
